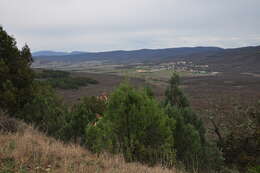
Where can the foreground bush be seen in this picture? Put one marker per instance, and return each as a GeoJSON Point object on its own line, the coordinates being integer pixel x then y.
{"type": "Point", "coordinates": [46, 111]}
{"type": "Point", "coordinates": [240, 142]}
{"type": "Point", "coordinates": [83, 115]}
{"type": "Point", "coordinates": [255, 169]}
{"type": "Point", "coordinates": [99, 138]}
{"type": "Point", "coordinates": [139, 128]}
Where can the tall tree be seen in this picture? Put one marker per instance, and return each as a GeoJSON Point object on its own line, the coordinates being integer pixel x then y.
{"type": "Point", "coordinates": [189, 135]}
{"type": "Point", "coordinates": [174, 95]}
{"type": "Point", "coordinates": [16, 76]}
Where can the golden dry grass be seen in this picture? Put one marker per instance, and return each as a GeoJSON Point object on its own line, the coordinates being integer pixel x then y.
{"type": "Point", "coordinates": [31, 151]}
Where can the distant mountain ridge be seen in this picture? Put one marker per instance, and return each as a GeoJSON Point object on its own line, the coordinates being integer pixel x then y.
{"type": "Point", "coordinates": [245, 59]}
{"type": "Point", "coordinates": [122, 56]}
{"type": "Point", "coordinates": [55, 53]}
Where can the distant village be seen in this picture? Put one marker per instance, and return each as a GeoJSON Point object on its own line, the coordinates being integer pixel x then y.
{"type": "Point", "coordinates": [179, 66]}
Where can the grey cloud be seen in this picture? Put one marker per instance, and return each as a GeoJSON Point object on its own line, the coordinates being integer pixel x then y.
{"type": "Point", "coordinates": [131, 24]}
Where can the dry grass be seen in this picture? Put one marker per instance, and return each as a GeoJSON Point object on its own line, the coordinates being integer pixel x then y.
{"type": "Point", "coordinates": [31, 151]}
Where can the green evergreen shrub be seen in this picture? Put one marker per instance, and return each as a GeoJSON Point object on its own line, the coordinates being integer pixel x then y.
{"type": "Point", "coordinates": [85, 114]}
{"type": "Point", "coordinates": [191, 146]}
{"type": "Point", "coordinates": [45, 111]}
{"type": "Point", "coordinates": [140, 126]}
{"type": "Point", "coordinates": [99, 137]}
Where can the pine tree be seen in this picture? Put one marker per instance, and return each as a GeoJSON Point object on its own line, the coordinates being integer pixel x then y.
{"type": "Point", "coordinates": [16, 77]}
{"type": "Point", "coordinates": [189, 134]}
{"type": "Point", "coordinates": [174, 95]}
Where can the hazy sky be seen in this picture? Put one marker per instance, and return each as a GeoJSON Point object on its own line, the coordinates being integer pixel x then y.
{"type": "Point", "coordinates": [99, 25]}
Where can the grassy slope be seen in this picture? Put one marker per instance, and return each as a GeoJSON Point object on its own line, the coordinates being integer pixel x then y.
{"type": "Point", "coordinates": [28, 150]}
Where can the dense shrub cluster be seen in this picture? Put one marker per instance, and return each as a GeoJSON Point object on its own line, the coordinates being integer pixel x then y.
{"type": "Point", "coordinates": [46, 74]}
{"type": "Point", "coordinates": [141, 129]}
{"type": "Point", "coordinates": [240, 141]}
{"type": "Point", "coordinates": [83, 115]}
{"type": "Point", "coordinates": [45, 110]}
{"type": "Point", "coordinates": [63, 80]}
{"type": "Point", "coordinates": [71, 83]}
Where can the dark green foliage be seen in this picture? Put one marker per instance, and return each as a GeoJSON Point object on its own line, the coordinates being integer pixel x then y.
{"type": "Point", "coordinates": [149, 92]}
{"type": "Point", "coordinates": [255, 169]}
{"type": "Point", "coordinates": [63, 80]}
{"type": "Point", "coordinates": [191, 146]}
{"type": "Point", "coordinates": [7, 165]}
{"type": "Point", "coordinates": [241, 144]}
{"type": "Point", "coordinates": [174, 95]}
{"type": "Point", "coordinates": [135, 125]}
{"type": "Point", "coordinates": [16, 77]}
{"type": "Point", "coordinates": [83, 115]}
{"type": "Point", "coordinates": [99, 137]}
{"type": "Point", "coordinates": [188, 135]}
{"type": "Point", "coordinates": [20, 95]}
{"type": "Point", "coordinates": [46, 74]}
{"type": "Point", "coordinates": [46, 111]}
{"type": "Point", "coordinates": [141, 129]}
{"type": "Point", "coordinates": [71, 83]}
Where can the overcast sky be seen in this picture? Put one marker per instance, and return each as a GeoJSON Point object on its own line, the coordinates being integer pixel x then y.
{"type": "Point", "coordinates": [100, 25]}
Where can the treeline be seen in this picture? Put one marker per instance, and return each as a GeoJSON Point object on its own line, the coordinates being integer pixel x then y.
{"type": "Point", "coordinates": [130, 121]}
{"type": "Point", "coordinates": [63, 80]}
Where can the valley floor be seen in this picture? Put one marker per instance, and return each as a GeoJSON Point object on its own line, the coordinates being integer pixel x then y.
{"type": "Point", "coordinates": [218, 94]}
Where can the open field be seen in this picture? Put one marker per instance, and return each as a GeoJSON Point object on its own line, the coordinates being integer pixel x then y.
{"type": "Point", "coordinates": [137, 70]}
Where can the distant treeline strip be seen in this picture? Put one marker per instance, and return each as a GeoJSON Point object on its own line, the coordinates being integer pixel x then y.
{"type": "Point", "coordinates": [63, 79]}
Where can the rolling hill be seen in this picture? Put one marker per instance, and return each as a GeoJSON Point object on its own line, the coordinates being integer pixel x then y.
{"type": "Point", "coordinates": [120, 56]}
{"type": "Point", "coordinates": [54, 53]}
{"type": "Point", "coordinates": [246, 59]}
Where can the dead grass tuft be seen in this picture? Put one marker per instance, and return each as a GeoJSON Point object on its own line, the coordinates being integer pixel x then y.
{"type": "Point", "coordinates": [8, 124]}
{"type": "Point", "coordinates": [32, 151]}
